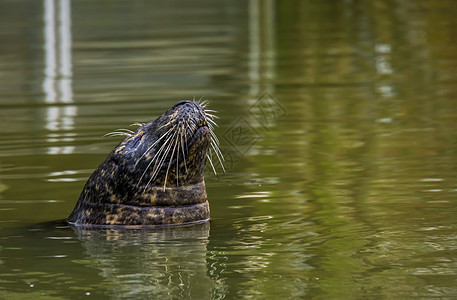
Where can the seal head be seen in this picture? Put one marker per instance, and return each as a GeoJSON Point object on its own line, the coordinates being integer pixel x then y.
{"type": "Point", "coordinates": [155, 176]}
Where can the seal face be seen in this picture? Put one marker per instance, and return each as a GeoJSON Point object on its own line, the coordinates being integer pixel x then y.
{"type": "Point", "coordinates": [155, 176]}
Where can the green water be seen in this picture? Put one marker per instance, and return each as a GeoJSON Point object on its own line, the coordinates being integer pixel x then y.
{"type": "Point", "coordinates": [338, 121]}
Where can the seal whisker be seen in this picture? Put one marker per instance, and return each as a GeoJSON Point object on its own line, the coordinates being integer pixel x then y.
{"type": "Point", "coordinates": [219, 155]}
{"type": "Point", "coordinates": [210, 115]}
{"type": "Point", "coordinates": [180, 147]}
{"type": "Point", "coordinates": [187, 145]}
{"type": "Point", "coordinates": [177, 165]}
{"type": "Point", "coordinates": [156, 170]}
{"type": "Point", "coordinates": [162, 158]}
{"type": "Point", "coordinates": [211, 118]}
{"type": "Point", "coordinates": [165, 125]}
{"type": "Point", "coordinates": [169, 165]}
{"type": "Point", "coordinates": [149, 165]}
{"type": "Point", "coordinates": [153, 144]}
{"type": "Point", "coordinates": [214, 143]}
{"type": "Point", "coordinates": [182, 133]}
{"type": "Point", "coordinates": [211, 122]}
{"type": "Point", "coordinates": [201, 102]}
{"type": "Point", "coordinates": [193, 123]}
{"type": "Point", "coordinates": [214, 137]}
{"type": "Point", "coordinates": [204, 103]}
{"type": "Point", "coordinates": [209, 111]}
{"type": "Point", "coordinates": [154, 159]}
{"type": "Point", "coordinates": [211, 163]}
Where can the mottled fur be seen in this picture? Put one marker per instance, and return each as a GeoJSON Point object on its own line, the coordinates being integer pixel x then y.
{"type": "Point", "coordinates": [154, 176]}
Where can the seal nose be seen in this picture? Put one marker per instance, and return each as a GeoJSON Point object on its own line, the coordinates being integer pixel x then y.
{"type": "Point", "coordinates": [182, 102]}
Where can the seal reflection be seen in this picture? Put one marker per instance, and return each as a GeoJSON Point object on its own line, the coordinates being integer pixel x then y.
{"type": "Point", "coordinates": [169, 262]}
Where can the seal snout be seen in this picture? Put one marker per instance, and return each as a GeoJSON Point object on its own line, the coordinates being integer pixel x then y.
{"type": "Point", "coordinates": [190, 118]}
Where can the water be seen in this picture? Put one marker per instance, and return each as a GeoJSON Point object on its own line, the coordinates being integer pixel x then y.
{"type": "Point", "coordinates": [338, 122]}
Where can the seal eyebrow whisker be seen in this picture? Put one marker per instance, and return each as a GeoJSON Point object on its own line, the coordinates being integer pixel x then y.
{"type": "Point", "coordinates": [120, 131]}
{"type": "Point", "coordinates": [126, 130]}
{"type": "Point", "coordinates": [117, 133]}
{"type": "Point", "coordinates": [137, 124]}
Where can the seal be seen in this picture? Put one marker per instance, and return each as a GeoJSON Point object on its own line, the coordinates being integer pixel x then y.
{"type": "Point", "coordinates": [155, 176]}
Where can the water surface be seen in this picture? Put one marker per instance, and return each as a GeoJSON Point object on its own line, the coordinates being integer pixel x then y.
{"type": "Point", "coordinates": [338, 122]}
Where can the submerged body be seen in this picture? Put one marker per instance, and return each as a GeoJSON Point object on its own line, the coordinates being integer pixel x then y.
{"type": "Point", "coordinates": [154, 176]}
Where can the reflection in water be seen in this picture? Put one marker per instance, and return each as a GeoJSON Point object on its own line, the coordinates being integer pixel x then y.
{"type": "Point", "coordinates": [152, 264]}
{"type": "Point", "coordinates": [262, 46]}
{"type": "Point", "coordinates": [57, 82]}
